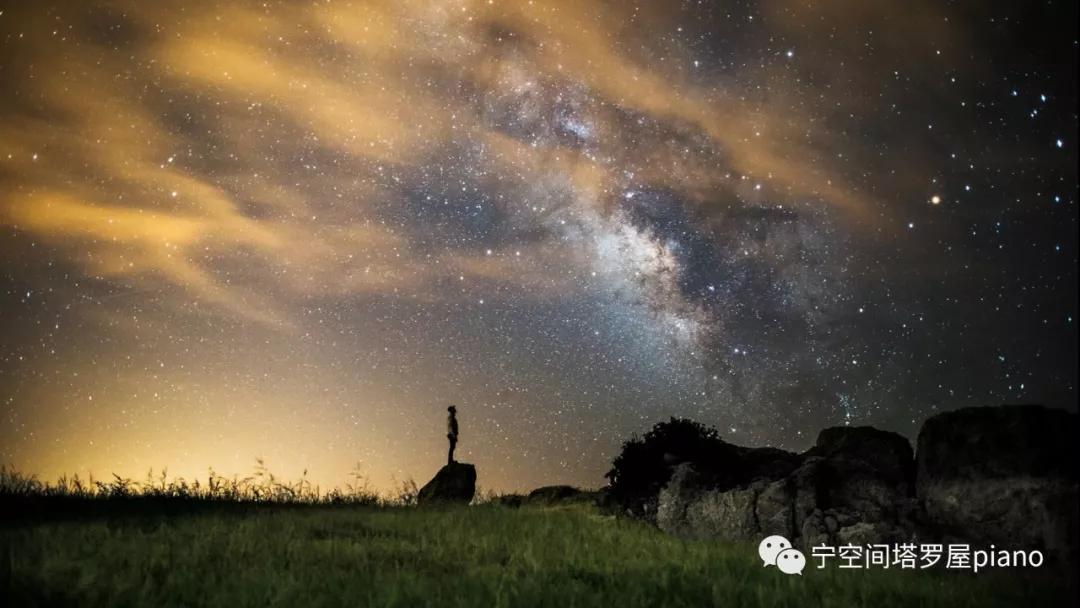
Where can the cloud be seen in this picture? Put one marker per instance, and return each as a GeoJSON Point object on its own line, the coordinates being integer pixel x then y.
{"type": "Point", "coordinates": [247, 156]}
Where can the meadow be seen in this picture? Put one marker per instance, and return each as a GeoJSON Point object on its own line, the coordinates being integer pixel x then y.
{"type": "Point", "coordinates": [136, 550]}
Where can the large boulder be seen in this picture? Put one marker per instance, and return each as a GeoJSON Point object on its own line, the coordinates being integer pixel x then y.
{"type": "Point", "coordinates": [855, 484]}
{"type": "Point", "coordinates": [454, 483]}
{"type": "Point", "coordinates": [1003, 475]}
{"type": "Point", "coordinates": [862, 470]}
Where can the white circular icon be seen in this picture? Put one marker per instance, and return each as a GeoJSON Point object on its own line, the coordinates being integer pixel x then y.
{"type": "Point", "coordinates": [791, 561]}
{"type": "Point", "coordinates": [770, 547]}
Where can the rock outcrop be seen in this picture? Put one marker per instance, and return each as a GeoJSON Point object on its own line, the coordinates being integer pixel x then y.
{"type": "Point", "coordinates": [454, 483]}
{"type": "Point", "coordinates": [1002, 475]}
{"type": "Point", "coordinates": [551, 496]}
{"type": "Point", "coordinates": [854, 485]}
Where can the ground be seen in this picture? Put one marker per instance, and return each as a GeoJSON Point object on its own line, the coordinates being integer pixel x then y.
{"type": "Point", "coordinates": [485, 555]}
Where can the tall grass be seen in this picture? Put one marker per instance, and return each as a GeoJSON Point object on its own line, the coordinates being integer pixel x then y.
{"type": "Point", "coordinates": [262, 486]}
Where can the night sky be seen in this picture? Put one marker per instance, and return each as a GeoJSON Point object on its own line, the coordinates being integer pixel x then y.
{"type": "Point", "coordinates": [300, 230]}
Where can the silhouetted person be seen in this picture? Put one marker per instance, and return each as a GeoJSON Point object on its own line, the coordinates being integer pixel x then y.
{"type": "Point", "coordinates": [451, 432]}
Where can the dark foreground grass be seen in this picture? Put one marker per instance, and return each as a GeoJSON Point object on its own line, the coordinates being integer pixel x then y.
{"type": "Point", "coordinates": [484, 555]}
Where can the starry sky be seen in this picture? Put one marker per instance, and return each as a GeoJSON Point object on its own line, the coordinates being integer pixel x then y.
{"type": "Point", "coordinates": [300, 230]}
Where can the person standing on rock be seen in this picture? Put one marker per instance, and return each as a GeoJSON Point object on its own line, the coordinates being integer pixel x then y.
{"type": "Point", "coordinates": [451, 432]}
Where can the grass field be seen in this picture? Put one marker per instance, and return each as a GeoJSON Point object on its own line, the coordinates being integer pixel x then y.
{"type": "Point", "coordinates": [486, 555]}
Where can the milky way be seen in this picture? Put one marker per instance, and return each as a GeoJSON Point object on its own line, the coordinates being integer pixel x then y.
{"type": "Point", "coordinates": [298, 231]}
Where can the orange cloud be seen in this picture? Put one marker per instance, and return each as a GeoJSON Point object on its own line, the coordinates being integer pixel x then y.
{"type": "Point", "coordinates": [199, 153]}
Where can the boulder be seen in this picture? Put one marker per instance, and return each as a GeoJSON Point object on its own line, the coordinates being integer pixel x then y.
{"type": "Point", "coordinates": [774, 507]}
{"type": "Point", "coordinates": [550, 495]}
{"type": "Point", "coordinates": [754, 464]}
{"type": "Point", "coordinates": [454, 483]}
{"type": "Point", "coordinates": [690, 507]}
{"type": "Point", "coordinates": [856, 485]}
{"type": "Point", "coordinates": [684, 487]}
{"type": "Point", "coordinates": [1002, 475]}
{"type": "Point", "coordinates": [861, 470]}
